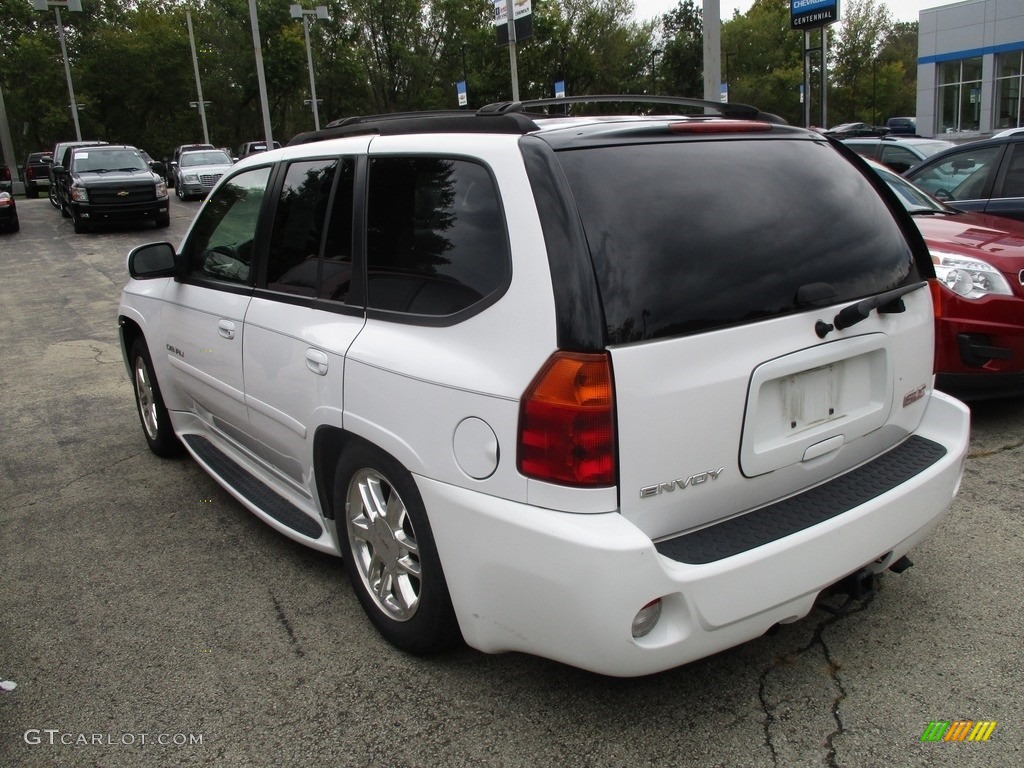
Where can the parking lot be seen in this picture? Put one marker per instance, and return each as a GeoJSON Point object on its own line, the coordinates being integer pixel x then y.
{"type": "Point", "coordinates": [150, 620]}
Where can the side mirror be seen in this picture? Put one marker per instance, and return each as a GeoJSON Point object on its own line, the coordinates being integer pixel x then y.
{"type": "Point", "coordinates": [152, 260]}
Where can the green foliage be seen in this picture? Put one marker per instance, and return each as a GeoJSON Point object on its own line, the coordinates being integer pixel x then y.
{"type": "Point", "coordinates": [132, 65]}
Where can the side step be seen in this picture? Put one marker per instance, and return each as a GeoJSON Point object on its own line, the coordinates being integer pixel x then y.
{"type": "Point", "coordinates": [818, 504]}
{"type": "Point", "coordinates": [256, 491]}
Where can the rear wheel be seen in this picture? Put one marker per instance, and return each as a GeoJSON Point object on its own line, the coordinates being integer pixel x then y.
{"type": "Point", "coordinates": [389, 552]}
{"type": "Point", "coordinates": [31, 191]}
{"type": "Point", "coordinates": [156, 423]}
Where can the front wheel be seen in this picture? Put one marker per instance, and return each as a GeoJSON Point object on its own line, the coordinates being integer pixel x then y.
{"type": "Point", "coordinates": [156, 423]}
{"type": "Point", "coordinates": [389, 552]}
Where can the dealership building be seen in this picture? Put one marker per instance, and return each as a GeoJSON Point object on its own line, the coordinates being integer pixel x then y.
{"type": "Point", "coordinates": [970, 68]}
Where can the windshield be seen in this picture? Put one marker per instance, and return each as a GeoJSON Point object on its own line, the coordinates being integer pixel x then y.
{"type": "Point", "coordinates": [108, 160]}
{"type": "Point", "coordinates": [914, 200]}
{"type": "Point", "coordinates": [212, 157]}
{"type": "Point", "coordinates": [690, 236]}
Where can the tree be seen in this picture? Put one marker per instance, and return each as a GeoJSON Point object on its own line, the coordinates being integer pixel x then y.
{"type": "Point", "coordinates": [682, 64]}
{"type": "Point", "coordinates": [765, 59]}
{"type": "Point", "coordinates": [854, 61]}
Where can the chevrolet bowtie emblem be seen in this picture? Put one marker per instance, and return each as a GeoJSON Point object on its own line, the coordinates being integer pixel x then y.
{"type": "Point", "coordinates": [123, 193]}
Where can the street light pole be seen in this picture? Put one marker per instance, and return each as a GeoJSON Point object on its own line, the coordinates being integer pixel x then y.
{"type": "Point", "coordinates": [261, 79]}
{"type": "Point", "coordinates": [71, 5]}
{"type": "Point", "coordinates": [199, 86]}
{"type": "Point", "coordinates": [321, 13]}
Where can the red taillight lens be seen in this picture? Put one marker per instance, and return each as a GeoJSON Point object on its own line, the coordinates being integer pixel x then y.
{"type": "Point", "coordinates": [567, 423]}
{"type": "Point", "coordinates": [720, 126]}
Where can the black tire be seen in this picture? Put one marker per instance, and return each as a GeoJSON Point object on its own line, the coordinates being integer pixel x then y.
{"type": "Point", "coordinates": [393, 563]}
{"type": "Point", "coordinates": [31, 191]}
{"type": "Point", "coordinates": [163, 221]}
{"type": "Point", "coordinates": [54, 201]}
{"type": "Point", "coordinates": [156, 423]}
{"type": "Point", "coordinates": [14, 225]}
{"type": "Point", "coordinates": [65, 211]}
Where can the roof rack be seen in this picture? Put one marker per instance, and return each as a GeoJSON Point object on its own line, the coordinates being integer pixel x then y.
{"type": "Point", "coordinates": [437, 121]}
{"type": "Point", "coordinates": [733, 111]}
{"type": "Point", "coordinates": [515, 117]}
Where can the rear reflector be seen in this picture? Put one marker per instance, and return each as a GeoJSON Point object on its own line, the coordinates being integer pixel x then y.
{"type": "Point", "coordinates": [566, 422]}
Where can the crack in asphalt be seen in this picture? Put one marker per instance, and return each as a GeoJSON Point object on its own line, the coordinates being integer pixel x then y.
{"type": "Point", "coordinates": [848, 608]}
{"type": "Point", "coordinates": [282, 619]}
{"type": "Point", "coordinates": [982, 454]}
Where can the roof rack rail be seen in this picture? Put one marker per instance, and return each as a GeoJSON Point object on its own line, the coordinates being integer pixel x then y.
{"type": "Point", "coordinates": [729, 110]}
{"type": "Point", "coordinates": [436, 121]}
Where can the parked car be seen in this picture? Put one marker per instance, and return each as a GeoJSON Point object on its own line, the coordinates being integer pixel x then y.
{"type": "Point", "coordinates": [157, 166]}
{"type": "Point", "coordinates": [254, 147]}
{"type": "Point", "coordinates": [901, 153]}
{"type": "Point", "coordinates": [8, 212]}
{"type": "Point", "coordinates": [197, 171]}
{"type": "Point", "coordinates": [6, 183]}
{"type": "Point", "coordinates": [906, 126]}
{"type": "Point", "coordinates": [61, 156]}
{"type": "Point", "coordinates": [979, 317]}
{"type": "Point", "coordinates": [559, 385]}
{"type": "Point", "coordinates": [169, 165]}
{"type": "Point", "coordinates": [110, 183]}
{"type": "Point", "coordinates": [984, 176]}
{"type": "Point", "coordinates": [37, 173]}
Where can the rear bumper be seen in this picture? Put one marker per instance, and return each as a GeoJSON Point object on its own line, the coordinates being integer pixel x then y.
{"type": "Point", "coordinates": [567, 587]}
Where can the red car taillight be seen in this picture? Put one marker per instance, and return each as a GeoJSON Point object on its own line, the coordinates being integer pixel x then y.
{"type": "Point", "coordinates": [567, 422]}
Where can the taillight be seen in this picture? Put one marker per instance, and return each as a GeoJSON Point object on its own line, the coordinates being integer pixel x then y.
{"type": "Point", "coordinates": [720, 126]}
{"type": "Point", "coordinates": [567, 423]}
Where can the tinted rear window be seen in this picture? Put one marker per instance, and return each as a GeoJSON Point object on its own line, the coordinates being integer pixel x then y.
{"type": "Point", "coordinates": [691, 236]}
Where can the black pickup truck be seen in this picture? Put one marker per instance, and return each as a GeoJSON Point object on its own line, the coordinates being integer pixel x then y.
{"type": "Point", "coordinates": [110, 182]}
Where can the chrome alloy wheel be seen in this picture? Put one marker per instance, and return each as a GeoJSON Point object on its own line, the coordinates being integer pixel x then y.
{"type": "Point", "coordinates": [383, 544]}
{"type": "Point", "coordinates": [147, 398]}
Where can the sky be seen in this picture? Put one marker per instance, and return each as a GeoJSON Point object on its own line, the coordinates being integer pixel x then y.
{"type": "Point", "coordinates": [901, 10]}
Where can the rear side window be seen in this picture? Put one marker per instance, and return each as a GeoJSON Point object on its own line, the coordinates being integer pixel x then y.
{"type": "Point", "coordinates": [691, 236]}
{"type": "Point", "coordinates": [435, 241]}
{"type": "Point", "coordinates": [293, 261]}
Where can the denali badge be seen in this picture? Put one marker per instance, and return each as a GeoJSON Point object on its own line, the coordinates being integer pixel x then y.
{"type": "Point", "coordinates": [700, 477]}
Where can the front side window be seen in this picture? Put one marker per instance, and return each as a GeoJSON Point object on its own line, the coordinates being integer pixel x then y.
{"type": "Point", "coordinates": [220, 244]}
{"type": "Point", "coordinates": [436, 242]}
{"type": "Point", "coordinates": [961, 176]}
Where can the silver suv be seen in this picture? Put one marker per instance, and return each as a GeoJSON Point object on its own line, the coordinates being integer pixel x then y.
{"type": "Point", "coordinates": [621, 391]}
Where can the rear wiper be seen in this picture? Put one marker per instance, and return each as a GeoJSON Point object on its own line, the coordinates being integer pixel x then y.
{"type": "Point", "coordinates": [890, 302]}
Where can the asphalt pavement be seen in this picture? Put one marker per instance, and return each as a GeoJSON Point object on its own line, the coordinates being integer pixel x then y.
{"type": "Point", "coordinates": [147, 619]}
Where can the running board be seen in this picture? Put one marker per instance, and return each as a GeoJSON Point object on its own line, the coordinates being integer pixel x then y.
{"type": "Point", "coordinates": [823, 502]}
{"type": "Point", "coordinates": [252, 489]}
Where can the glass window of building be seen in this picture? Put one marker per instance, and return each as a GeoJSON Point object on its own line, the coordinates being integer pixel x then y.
{"type": "Point", "coordinates": [1009, 108]}
{"type": "Point", "coordinates": [959, 92]}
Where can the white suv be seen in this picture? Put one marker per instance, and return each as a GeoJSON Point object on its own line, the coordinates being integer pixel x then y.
{"type": "Point", "coordinates": [618, 391]}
